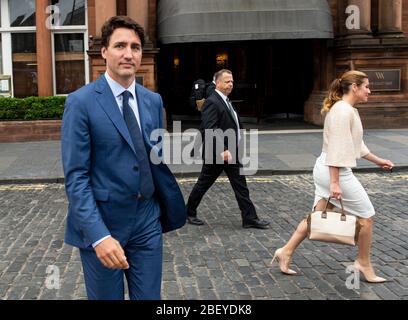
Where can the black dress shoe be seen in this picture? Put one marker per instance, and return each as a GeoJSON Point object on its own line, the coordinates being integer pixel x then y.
{"type": "Point", "coordinates": [258, 224]}
{"type": "Point", "coordinates": [195, 221]}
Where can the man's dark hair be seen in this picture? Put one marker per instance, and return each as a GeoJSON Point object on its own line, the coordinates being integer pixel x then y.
{"type": "Point", "coordinates": [120, 22]}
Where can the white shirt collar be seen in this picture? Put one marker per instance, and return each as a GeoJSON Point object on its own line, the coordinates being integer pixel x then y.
{"type": "Point", "coordinates": [223, 96]}
{"type": "Point", "coordinates": [117, 89]}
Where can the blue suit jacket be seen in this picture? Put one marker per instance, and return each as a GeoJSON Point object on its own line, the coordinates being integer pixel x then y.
{"type": "Point", "coordinates": [100, 164]}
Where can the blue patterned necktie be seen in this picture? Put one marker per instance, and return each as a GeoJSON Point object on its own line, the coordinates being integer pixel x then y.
{"type": "Point", "coordinates": [145, 175]}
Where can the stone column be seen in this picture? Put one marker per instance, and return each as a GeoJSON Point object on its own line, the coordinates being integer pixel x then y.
{"type": "Point", "coordinates": [139, 11]}
{"type": "Point", "coordinates": [323, 71]}
{"type": "Point", "coordinates": [91, 18]}
{"type": "Point", "coordinates": [103, 11]}
{"type": "Point", "coordinates": [121, 7]}
{"type": "Point", "coordinates": [44, 54]}
{"type": "Point", "coordinates": [390, 18]}
{"type": "Point", "coordinates": [363, 14]}
{"type": "Point", "coordinates": [152, 20]}
{"type": "Point", "coordinates": [100, 11]}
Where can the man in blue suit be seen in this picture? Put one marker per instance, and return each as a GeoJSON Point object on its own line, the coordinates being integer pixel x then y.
{"type": "Point", "coordinates": [120, 203]}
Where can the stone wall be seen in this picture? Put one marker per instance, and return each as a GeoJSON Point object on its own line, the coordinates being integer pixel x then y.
{"type": "Point", "coordinates": [405, 17]}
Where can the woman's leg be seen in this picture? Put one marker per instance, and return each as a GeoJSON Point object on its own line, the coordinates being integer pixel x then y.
{"type": "Point", "coordinates": [285, 253]}
{"type": "Point", "coordinates": [364, 241]}
{"type": "Point", "coordinates": [301, 231]}
{"type": "Point", "coordinates": [363, 262]}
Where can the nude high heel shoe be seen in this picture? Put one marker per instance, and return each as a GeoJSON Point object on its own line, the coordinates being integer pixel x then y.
{"type": "Point", "coordinates": [283, 261]}
{"type": "Point", "coordinates": [367, 277]}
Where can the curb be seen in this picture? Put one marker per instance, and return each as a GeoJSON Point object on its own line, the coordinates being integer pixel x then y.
{"type": "Point", "coordinates": [31, 180]}
{"type": "Point", "coordinates": [181, 175]}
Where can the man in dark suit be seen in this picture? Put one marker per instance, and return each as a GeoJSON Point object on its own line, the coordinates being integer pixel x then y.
{"type": "Point", "coordinates": [120, 203]}
{"type": "Point", "coordinates": [219, 117]}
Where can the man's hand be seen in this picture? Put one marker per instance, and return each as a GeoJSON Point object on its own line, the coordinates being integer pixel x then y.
{"type": "Point", "coordinates": [111, 254]}
{"type": "Point", "coordinates": [226, 156]}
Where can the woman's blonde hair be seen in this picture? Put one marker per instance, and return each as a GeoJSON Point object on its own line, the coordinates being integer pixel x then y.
{"type": "Point", "coordinates": [341, 86]}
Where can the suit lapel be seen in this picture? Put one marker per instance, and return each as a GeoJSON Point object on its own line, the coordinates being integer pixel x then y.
{"type": "Point", "coordinates": [108, 103]}
{"type": "Point", "coordinates": [224, 104]}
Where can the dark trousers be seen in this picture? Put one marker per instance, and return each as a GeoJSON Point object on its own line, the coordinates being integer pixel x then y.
{"type": "Point", "coordinates": [210, 173]}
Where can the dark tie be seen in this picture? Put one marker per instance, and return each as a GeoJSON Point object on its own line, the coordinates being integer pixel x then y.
{"type": "Point", "coordinates": [145, 176]}
{"type": "Point", "coordinates": [235, 117]}
{"type": "Point", "coordinates": [231, 110]}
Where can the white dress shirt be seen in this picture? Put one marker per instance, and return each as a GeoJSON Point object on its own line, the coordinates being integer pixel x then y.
{"type": "Point", "coordinates": [117, 91]}
{"type": "Point", "coordinates": [224, 97]}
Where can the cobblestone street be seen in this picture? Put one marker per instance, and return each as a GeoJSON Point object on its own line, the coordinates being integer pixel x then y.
{"type": "Point", "coordinates": [219, 260]}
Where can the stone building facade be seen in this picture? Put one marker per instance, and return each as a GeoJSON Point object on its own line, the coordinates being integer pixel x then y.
{"type": "Point", "coordinates": [282, 63]}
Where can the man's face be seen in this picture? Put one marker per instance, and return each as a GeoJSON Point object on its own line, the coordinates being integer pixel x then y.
{"type": "Point", "coordinates": [123, 55]}
{"type": "Point", "coordinates": [225, 84]}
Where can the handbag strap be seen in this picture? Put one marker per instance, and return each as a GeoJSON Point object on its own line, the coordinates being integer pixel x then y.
{"type": "Point", "coordinates": [341, 203]}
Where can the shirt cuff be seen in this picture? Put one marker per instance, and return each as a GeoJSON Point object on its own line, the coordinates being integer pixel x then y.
{"type": "Point", "coordinates": [99, 241]}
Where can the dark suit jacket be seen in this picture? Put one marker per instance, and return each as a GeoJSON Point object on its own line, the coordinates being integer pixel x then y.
{"type": "Point", "coordinates": [100, 163]}
{"type": "Point", "coordinates": [216, 115]}
{"type": "Point", "coordinates": [210, 89]}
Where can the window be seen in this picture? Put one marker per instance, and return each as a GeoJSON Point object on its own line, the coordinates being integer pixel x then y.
{"type": "Point", "coordinates": [69, 32]}
{"type": "Point", "coordinates": [69, 68]}
{"type": "Point", "coordinates": [69, 62]}
{"type": "Point", "coordinates": [18, 47]}
{"type": "Point", "coordinates": [72, 12]}
{"type": "Point", "coordinates": [22, 13]}
{"type": "Point", "coordinates": [24, 64]}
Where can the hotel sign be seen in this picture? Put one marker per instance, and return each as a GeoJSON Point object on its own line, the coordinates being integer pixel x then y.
{"type": "Point", "coordinates": [384, 79]}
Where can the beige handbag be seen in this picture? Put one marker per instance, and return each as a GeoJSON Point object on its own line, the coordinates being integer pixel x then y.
{"type": "Point", "coordinates": [330, 226]}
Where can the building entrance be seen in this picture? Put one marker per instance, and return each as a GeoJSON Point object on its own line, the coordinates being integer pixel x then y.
{"type": "Point", "coordinates": [273, 77]}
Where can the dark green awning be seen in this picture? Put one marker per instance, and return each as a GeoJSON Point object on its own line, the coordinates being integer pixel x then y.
{"type": "Point", "coordinates": [181, 21]}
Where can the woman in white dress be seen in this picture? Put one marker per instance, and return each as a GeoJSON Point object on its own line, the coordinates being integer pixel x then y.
{"type": "Point", "coordinates": [342, 145]}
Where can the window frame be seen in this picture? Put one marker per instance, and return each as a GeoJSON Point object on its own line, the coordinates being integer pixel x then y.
{"type": "Point", "coordinates": [6, 31]}
{"type": "Point", "coordinates": [70, 29]}
{"type": "Point", "coordinates": [86, 58]}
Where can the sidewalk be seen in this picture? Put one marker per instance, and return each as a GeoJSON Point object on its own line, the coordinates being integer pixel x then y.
{"type": "Point", "coordinates": [280, 152]}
